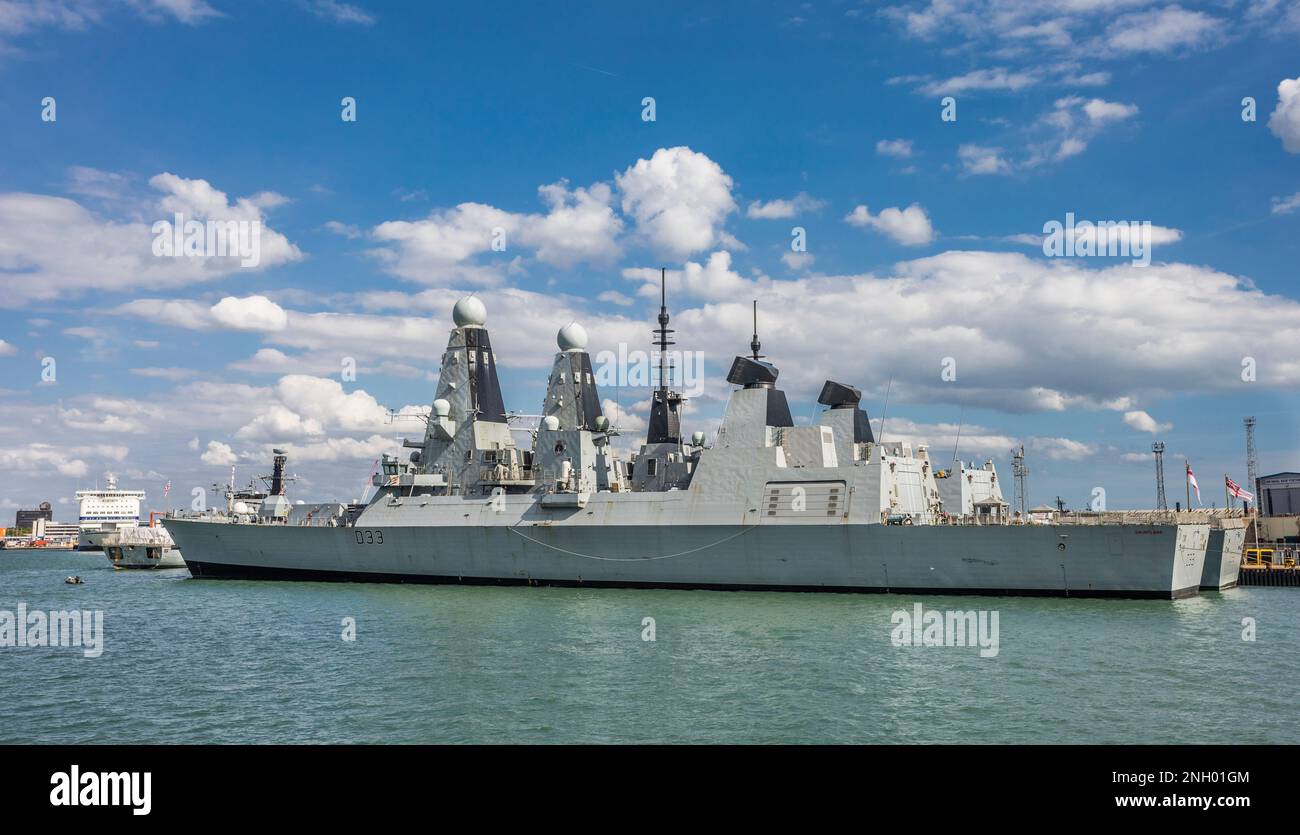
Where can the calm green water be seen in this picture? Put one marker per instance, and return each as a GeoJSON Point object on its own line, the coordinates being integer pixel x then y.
{"type": "Point", "coordinates": [213, 661]}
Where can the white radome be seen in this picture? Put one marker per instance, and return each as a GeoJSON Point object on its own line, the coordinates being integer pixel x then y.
{"type": "Point", "coordinates": [572, 337]}
{"type": "Point", "coordinates": [441, 408]}
{"type": "Point", "coordinates": [469, 312]}
{"type": "Point", "coordinates": [551, 422]}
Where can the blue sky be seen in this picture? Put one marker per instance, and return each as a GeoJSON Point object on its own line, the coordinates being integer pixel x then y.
{"type": "Point", "coordinates": [922, 234]}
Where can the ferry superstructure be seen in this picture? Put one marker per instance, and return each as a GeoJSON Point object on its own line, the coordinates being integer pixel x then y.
{"type": "Point", "coordinates": [104, 511]}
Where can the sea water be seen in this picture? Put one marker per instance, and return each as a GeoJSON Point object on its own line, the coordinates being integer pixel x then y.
{"type": "Point", "coordinates": [213, 661]}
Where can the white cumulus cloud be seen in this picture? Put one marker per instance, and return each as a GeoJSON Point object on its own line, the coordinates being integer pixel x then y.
{"type": "Point", "coordinates": [982, 159]}
{"type": "Point", "coordinates": [1143, 422]}
{"type": "Point", "coordinates": [679, 199]}
{"type": "Point", "coordinates": [1161, 30]}
{"type": "Point", "coordinates": [218, 455]}
{"type": "Point", "coordinates": [1100, 110]}
{"type": "Point", "coordinates": [1285, 119]}
{"type": "Point", "coordinates": [308, 407]}
{"type": "Point", "coordinates": [452, 245]}
{"type": "Point", "coordinates": [714, 280]}
{"type": "Point", "coordinates": [780, 208]}
{"type": "Point", "coordinates": [910, 226]}
{"type": "Point", "coordinates": [1286, 205]}
{"type": "Point", "coordinates": [60, 247]}
{"type": "Point", "coordinates": [900, 148]}
{"type": "Point", "coordinates": [252, 313]}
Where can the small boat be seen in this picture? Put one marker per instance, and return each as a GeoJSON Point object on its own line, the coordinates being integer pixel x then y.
{"type": "Point", "coordinates": [74, 580]}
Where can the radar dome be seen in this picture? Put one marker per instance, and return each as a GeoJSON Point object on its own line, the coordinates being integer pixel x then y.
{"type": "Point", "coordinates": [551, 422]}
{"type": "Point", "coordinates": [469, 312]}
{"type": "Point", "coordinates": [572, 337]}
{"type": "Point", "coordinates": [241, 508]}
{"type": "Point", "coordinates": [441, 408]}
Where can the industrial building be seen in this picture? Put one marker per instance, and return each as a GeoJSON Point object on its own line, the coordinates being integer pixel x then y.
{"type": "Point", "coordinates": [1279, 494]}
{"type": "Point", "coordinates": [56, 533]}
{"type": "Point", "coordinates": [25, 519]}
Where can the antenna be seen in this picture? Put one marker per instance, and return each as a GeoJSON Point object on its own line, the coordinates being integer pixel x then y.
{"type": "Point", "coordinates": [1021, 472]}
{"type": "Point", "coordinates": [961, 417]}
{"type": "Point", "coordinates": [1158, 449]}
{"type": "Point", "coordinates": [665, 405]}
{"type": "Point", "coordinates": [1252, 460]}
{"type": "Point", "coordinates": [884, 412]}
{"type": "Point", "coordinates": [662, 342]}
{"type": "Point", "coordinates": [754, 344]}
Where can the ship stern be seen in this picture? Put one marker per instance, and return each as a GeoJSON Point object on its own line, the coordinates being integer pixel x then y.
{"type": "Point", "coordinates": [1223, 555]}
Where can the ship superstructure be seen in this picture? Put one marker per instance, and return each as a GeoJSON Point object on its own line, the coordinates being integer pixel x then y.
{"type": "Point", "coordinates": [972, 493]}
{"type": "Point", "coordinates": [767, 505]}
{"type": "Point", "coordinates": [263, 497]}
{"type": "Point", "coordinates": [468, 448]}
{"type": "Point", "coordinates": [102, 511]}
{"type": "Point", "coordinates": [664, 462]}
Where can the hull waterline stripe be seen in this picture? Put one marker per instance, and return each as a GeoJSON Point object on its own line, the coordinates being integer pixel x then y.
{"type": "Point", "coordinates": [231, 571]}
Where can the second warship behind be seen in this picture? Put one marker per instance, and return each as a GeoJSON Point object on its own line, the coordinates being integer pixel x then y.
{"type": "Point", "coordinates": [768, 505]}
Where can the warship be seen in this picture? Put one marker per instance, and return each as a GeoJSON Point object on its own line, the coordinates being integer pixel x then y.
{"type": "Point", "coordinates": [766, 505]}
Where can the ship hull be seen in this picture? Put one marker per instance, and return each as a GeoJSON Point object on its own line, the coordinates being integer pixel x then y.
{"type": "Point", "coordinates": [1223, 559]}
{"type": "Point", "coordinates": [1158, 561]}
{"type": "Point", "coordinates": [143, 557]}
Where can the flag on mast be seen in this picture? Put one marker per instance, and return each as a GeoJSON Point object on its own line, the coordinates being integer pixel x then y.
{"type": "Point", "coordinates": [1235, 489]}
{"type": "Point", "coordinates": [1191, 479]}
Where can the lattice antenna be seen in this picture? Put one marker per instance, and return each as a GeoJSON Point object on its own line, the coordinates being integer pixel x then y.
{"type": "Point", "coordinates": [1158, 449]}
{"type": "Point", "coordinates": [1252, 460]}
{"type": "Point", "coordinates": [663, 333]}
{"type": "Point", "coordinates": [1021, 473]}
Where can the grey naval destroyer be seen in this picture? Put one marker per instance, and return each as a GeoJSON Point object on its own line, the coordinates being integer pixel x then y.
{"type": "Point", "coordinates": [767, 505]}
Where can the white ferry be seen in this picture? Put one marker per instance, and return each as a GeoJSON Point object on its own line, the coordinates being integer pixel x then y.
{"type": "Point", "coordinates": [106, 511]}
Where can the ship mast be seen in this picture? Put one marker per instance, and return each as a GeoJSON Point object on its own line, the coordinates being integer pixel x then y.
{"type": "Point", "coordinates": [662, 342]}
{"type": "Point", "coordinates": [665, 406]}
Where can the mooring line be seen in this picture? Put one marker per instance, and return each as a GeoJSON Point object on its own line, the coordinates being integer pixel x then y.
{"type": "Point", "coordinates": [514, 529]}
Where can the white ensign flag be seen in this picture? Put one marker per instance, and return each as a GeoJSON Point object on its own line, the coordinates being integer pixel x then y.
{"type": "Point", "coordinates": [1191, 479]}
